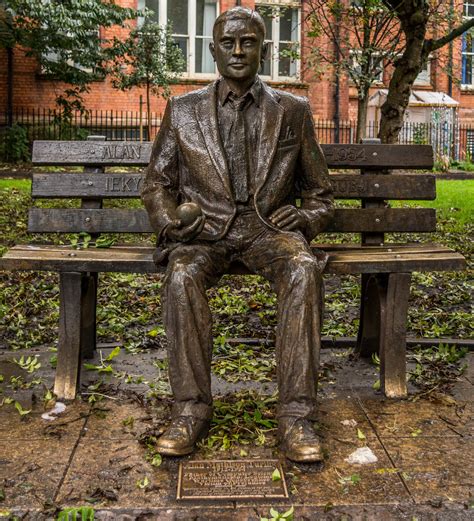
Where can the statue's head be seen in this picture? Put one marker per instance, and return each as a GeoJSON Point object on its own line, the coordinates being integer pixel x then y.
{"type": "Point", "coordinates": [238, 47]}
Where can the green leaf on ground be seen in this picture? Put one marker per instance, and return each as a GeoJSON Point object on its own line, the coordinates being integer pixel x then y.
{"type": "Point", "coordinates": [276, 476]}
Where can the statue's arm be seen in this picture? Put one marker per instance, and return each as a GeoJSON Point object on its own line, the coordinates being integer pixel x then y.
{"type": "Point", "coordinates": [316, 192]}
{"type": "Point", "coordinates": [160, 188]}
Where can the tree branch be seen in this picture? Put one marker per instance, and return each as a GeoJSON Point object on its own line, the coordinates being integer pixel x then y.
{"type": "Point", "coordinates": [433, 45]}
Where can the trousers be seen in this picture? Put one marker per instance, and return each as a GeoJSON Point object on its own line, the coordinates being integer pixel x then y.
{"type": "Point", "coordinates": [295, 274]}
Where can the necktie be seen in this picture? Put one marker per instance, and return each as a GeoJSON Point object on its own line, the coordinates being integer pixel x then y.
{"type": "Point", "coordinates": [239, 171]}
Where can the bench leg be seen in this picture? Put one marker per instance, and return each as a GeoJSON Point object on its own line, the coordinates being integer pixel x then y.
{"type": "Point", "coordinates": [369, 326]}
{"type": "Point", "coordinates": [88, 319]}
{"type": "Point", "coordinates": [384, 309]}
{"type": "Point", "coordinates": [75, 291]}
{"type": "Point", "coordinates": [393, 334]}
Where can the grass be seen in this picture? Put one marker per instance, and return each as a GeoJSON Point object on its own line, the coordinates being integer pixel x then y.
{"type": "Point", "coordinates": [129, 304]}
{"type": "Point", "coordinates": [18, 184]}
{"type": "Point", "coordinates": [453, 198]}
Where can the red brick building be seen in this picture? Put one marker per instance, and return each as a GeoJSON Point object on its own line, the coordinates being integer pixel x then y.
{"type": "Point", "coordinates": [192, 24]}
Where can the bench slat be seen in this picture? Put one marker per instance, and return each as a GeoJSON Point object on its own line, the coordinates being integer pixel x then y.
{"type": "Point", "coordinates": [137, 259]}
{"type": "Point", "coordinates": [115, 153]}
{"type": "Point", "coordinates": [115, 220]}
{"type": "Point", "coordinates": [124, 185]}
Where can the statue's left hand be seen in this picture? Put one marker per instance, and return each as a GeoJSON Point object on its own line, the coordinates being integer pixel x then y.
{"type": "Point", "coordinates": [288, 218]}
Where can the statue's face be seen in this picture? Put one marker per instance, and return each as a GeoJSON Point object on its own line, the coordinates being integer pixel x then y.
{"type": "Point", "coordinates": [238, 49]}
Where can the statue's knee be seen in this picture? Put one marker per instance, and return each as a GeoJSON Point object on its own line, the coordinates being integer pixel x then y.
{"type": "Point", "coordinates": [303, 267]}
{"type": "Point", "coordinates": [180, 274]}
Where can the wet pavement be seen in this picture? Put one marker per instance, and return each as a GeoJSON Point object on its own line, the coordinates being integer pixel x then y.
{"type": "Point", "coordinates": [91, 454]}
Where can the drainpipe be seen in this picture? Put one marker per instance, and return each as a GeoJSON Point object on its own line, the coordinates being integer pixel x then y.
{"type": "Point", "coordinates": [9, 86]}
{"type": "Point", "coordinates": [450, 55]}
{"type": "Point", "coordinates": [337, 86]}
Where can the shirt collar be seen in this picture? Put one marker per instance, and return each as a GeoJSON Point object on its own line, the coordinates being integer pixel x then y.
{"type": "Point", "coordinates": [224, 91]}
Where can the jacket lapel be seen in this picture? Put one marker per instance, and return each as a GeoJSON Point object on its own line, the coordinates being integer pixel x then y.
{"type": "Point", "coordinates": [206, 114]}
{"type": "Point", "coordinates": [272, 116]}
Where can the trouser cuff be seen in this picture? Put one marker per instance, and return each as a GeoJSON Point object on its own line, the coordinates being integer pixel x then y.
{"type": "Point", "coordinates": [196, 409]}
{"type": "Point", "coordinates": [297, 410]}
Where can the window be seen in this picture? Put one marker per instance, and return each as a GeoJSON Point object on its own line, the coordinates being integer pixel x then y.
{"type": "Point", "coordinates": [467, 59]}
{"type": "Point", "coordinates": [64, 55]}
{"type": "Point", "coordinates": [469, 9]}
{"type": "Point", "coordinates": [192, 22]}
{"type": "Point", "coordinates": [424, 78]}
{"type": "Point", "coordinates": [282, 24]}
{"type": "Point", "coordinates": [356, 66]}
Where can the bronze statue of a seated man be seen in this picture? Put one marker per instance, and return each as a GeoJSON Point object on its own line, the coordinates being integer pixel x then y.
{"type": "Point", "coordinates": [240, 151]}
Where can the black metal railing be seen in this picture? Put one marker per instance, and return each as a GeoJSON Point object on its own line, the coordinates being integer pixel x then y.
{"type": "Point", "coordinates": [454, 141]}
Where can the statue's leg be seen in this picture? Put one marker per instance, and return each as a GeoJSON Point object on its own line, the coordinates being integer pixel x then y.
{"type": "Point", "coordinates": [188, 323]}
{"type": "Point", "coordinates": [296, 275]}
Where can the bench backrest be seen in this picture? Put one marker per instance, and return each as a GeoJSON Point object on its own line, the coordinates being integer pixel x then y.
{"type": "Point", "coordinates": [373, 183]}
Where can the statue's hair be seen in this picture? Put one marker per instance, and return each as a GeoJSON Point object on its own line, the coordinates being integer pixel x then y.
{"type": "Point", "coordinates": [240, 13]}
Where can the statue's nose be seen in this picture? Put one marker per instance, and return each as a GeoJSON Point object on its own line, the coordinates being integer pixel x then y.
{"type": "Point", "coordinates": [238, 50]}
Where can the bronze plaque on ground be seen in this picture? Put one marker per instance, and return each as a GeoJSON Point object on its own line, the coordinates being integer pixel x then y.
{"type": "Point", "coordinates": [231, 479]}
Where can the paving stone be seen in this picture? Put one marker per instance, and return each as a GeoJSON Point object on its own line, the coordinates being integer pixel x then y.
{"type": "Point", "coordinates": [30, 471]}
{"type": "Point", "coordinates": [114, 420]}
{"type": "Point", "coordinates": [403, 418]}
{"type": "Point", "coordinates": [109, 470]}
{"type": "Point", "coordinates": [330, 483]}
{"type": "Point", "coordinates": [332, 413]}
{"type": "Point", "coordinates": [435, 468]}
{"type": "Point", "coordinates": [33, 427]}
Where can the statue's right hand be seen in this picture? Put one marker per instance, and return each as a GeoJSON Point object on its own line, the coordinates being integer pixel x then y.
{"type": "Point", "coordinates": [176, 232]}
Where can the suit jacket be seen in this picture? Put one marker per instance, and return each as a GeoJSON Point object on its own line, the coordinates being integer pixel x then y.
{"type": "Point", "coordinates": [188, 163]}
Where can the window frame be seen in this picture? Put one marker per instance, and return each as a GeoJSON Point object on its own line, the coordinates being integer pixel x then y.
{"type": "Point", "coordinates": [191, 37]}
{"type": "Point", "coordinates": [354, 53]}
{"type": "Point", "coordinates": [467, 86]}
{"type": "Point", "coordinates": [275, 41]}
{"type": "Point", "coordinates": [421, 82]}
{"type": "Point", "coordinates": [466, 6]}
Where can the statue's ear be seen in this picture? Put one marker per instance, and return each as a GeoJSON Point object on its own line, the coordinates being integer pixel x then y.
{"type": "Point", "coordinates": [265, 51]}
{"type": "Point", "coordinates": [213, 50]}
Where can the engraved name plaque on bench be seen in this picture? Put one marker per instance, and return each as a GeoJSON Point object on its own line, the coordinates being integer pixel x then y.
{"type": "Point", "coordinates": [228, 479]}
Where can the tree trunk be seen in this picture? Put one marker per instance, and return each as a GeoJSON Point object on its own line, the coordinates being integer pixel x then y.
{"type": "Point", "coordinates": [148, 110]}
{"type": "Point", "coordinates": [413, 18]}
{"type": "Point", "coordinates": [362, 106]}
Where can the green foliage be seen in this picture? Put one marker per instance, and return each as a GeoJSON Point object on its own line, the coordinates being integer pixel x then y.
{"type": "Point", "coordinates": [277, 516]}
{"type": "Point", "coordinates": [242, 418]}
{"type": "Point", "coordinates": [30, 364]}
{"type": "Point", "coordinates": [104, 367]}
{"type": "Point", "coordinates": [64, 38]}
{"type": "Point", "coordinates": [437, 367]}
{"type": "Point", "coordinates": [466, 165]}
{"type": "Point", "coordinates": [143, 483]}
{"type": "Point", "coordinates": [420, 134]}
{"type": "Point", "coordinates": [363, 37]}
{"type": "Point", "coordinates": [76, 514]}
{"type": "Point", "coordinates": [148, 57]}
{"type": "Point", "coordinates": [241, 363]}
{"type": "Point", "coordinates": [353, 479]}
{"type": "Point", "coordinates": [14, 144]}
{"type": "Point", "coordinates": [22, 412]}
{"type": "Point", "coordinates": [7, 38]}
{"type": "Point", "coordinates": [276, 475]}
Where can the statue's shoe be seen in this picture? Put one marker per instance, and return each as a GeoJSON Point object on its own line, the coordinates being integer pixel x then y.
{"type": "Point", "coordinates": [182, 435]}
{"type": "Point", "coordinates": [298, 441]}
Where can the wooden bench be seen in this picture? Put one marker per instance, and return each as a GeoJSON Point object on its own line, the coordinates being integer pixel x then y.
{"type": "Point", "coordinates": [385, 267]}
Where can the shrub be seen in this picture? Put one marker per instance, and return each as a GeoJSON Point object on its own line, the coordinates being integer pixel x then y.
{"type": "Point", "coordinates": [14, 146]}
